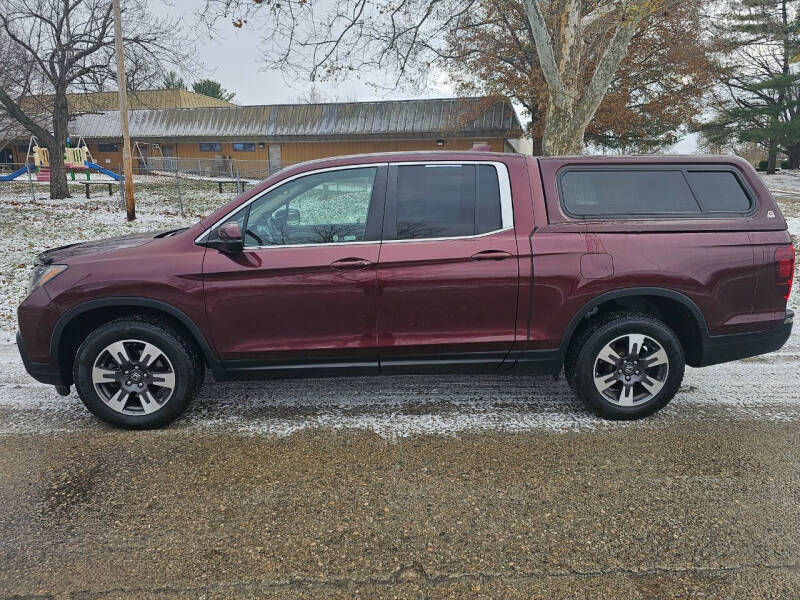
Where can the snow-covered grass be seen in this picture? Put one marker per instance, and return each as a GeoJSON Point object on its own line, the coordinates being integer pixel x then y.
{"type": "Point", "coordinates": [785, 186]}
{"type": "Point", "coordinates": [29, 226]}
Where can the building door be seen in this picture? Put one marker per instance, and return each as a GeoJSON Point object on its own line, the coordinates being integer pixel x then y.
{"type": "Point", "coordinates": [6, 156]}
{"type": "Point", "coordinates": [168, 152]}
{"type": "Point", "coordinates": [274, 158]}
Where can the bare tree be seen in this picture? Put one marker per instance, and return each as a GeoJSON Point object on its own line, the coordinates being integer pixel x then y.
{"type": "Point", "coordinates": [408, 39]}
{"type": "Point", "coordinates": [67, 46]}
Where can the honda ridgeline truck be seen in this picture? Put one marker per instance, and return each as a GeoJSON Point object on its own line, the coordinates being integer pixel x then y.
{"type": "Point", "coordinates": [619, 271]}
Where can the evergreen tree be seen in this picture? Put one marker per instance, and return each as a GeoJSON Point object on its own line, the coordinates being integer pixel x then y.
{"type": "Point", "coordinates": [209, 87]}
{"type": "Point", "coordinates": [172, 81]}
{"type": "Point", "coordinates": [759, 97]}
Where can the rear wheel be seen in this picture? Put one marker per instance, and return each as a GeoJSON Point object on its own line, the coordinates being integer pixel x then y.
{"type": "Point", "coordinates": [626, 365]}
{"type": "Point", "coordinates": [137, 373]}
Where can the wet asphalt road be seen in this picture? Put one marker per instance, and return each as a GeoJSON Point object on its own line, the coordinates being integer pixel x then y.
{"type": "Point", "coordinates": [409, 487]}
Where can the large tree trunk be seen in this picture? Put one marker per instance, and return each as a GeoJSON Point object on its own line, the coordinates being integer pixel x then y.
{"type": "Point", "coordinates": [58, 175]}
{"type": "Point", "coordinates": [570, 108]}
{"type": "Point", "coordinates": [536, 145]}
{"type": "Point", "coordinates": [794, 156]}
{"type": "Point", "coordinates": [772, 157]}
{"type": "Point", "coordinates": [562, 134]}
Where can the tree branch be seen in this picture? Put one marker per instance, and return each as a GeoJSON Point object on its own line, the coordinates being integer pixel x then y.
{"type": "Point", "coordinates": [13, 109]}
{"type": "Point", "coordinates": [598, 13]}
{"type": "Point", "coordinates": [605, 70]}
{"type": "Point", "coordinates": [544, 48]}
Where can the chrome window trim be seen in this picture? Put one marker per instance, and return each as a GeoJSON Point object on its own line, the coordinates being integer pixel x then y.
{"type": "Point", "coordinates": [445, 239]}
{"type": "Point", "coordinates": [503, 180]}
{"type": "Point", "coordinates": [199, 239]}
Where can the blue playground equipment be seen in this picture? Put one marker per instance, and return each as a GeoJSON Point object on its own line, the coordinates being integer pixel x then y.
{"type": "Point", "coordinates": [17, 173]}
{"type": "Point", "coordinates": [104, 171]}
{"type": "Point", "coordinates": [76, 159]}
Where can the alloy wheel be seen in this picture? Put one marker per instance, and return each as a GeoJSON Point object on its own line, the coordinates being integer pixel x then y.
{"type": "Point", "coordinates": [631, 369]}
{"type": "Point", "coordinates": [133, 377]}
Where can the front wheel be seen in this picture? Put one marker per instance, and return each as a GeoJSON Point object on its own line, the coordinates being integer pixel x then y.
{"type": "Point", "coordinates": [137, 373]}
{"type": "Point", "coordinates": [627, 366]}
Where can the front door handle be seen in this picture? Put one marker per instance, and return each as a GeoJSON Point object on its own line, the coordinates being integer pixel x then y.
{"type": "Point", "coordinates": [351, 263]}
{"type": "Point", "coordinates": [491, 255]}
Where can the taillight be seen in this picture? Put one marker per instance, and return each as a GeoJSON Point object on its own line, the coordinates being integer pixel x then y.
{"type": "Point", "coordinates": [784, 266]}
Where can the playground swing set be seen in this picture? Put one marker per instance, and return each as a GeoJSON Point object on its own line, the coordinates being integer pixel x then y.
{"type": "Point", "coordinates": [76, 160]}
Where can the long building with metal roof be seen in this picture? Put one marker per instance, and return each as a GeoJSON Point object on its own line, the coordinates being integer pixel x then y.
{"type": "Point", "coordinates": [272, 136]}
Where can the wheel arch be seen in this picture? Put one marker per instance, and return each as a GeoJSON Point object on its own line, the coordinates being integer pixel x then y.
{"type": "Point", "coordinates": [75, 324]}
{"type": "Point", "coordinates": [676, 309]}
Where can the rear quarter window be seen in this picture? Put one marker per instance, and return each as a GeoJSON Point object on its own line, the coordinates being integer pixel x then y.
{"type": "Point", "coordinates": [649, 192]}
{"type": "Point", "coordinates": [719, 191]}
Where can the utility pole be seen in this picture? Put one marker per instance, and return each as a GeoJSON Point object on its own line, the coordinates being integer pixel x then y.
{"type": "Point", "coordinates": [127, 163]}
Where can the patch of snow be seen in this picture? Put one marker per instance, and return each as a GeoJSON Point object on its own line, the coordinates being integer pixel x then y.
{"type": "Point", "coordinates": [785, 181]}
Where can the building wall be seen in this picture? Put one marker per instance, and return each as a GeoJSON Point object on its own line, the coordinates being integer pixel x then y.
{"type": "Point", "coordinates": [302, 151]}
{"type": "Point", "coordinates": [290, 152]}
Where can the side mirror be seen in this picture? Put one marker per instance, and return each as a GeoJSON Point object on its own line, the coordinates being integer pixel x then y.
{"type": "Point", "coordinates": [229, 238]}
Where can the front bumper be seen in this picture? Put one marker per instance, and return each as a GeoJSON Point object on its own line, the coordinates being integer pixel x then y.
{"type": "Point", "coordinates": [724, 348]}
{"type": "Point", "coordinates": [47, 372]}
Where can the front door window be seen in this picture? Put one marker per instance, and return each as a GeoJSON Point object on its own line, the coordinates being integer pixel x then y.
{"type": "Point", "coordinates": [325, 208]}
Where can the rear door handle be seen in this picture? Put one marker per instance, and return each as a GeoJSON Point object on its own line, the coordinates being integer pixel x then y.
{"type": "Point", "coordinates": [351, 263]}
{"type": "Point", "coordinates": [491, 255]}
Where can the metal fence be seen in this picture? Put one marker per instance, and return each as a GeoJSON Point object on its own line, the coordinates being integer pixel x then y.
{"type": "Point", "coordinates": [186, 186]}
{"type": "Point", "coordinates": [211, 167]}
{"type": "Point", "coordinates": [216, 168]}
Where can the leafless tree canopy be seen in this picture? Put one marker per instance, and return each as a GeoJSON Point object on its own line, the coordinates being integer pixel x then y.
{"type": "Point", "coordinates": [62, 46]}
{"type": "Point", "coordinates": [406, 40]}
{"type": "Point", "coordinates": [330, 39]}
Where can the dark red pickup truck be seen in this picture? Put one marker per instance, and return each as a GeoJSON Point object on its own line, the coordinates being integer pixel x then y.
{"type": "Point", "coordinates": [618, 270]}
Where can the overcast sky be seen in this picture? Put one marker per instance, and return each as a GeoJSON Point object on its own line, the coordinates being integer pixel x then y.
{"type": "Point", "coordinates": [233, 57]}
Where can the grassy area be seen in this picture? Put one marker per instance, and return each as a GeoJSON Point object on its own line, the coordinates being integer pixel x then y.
{"type": "Point", "coordinates": [790, 205]}
{"type": "Point", "coordinates": [28, 227]}
{"type": "Point", "coordinates": [153, 194]}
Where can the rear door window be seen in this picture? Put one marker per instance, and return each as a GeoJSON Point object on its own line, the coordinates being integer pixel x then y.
{"type": "Point", "coordinates": [444, 200]}
{"type": "Point", "coordinates": [718, 191]}
{"type": "Point", "coordinates": [626, 192]}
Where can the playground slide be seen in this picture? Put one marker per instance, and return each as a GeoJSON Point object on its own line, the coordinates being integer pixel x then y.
{"type": "Point", "coordinates": [15, 174]}
{"type": "Point", "coordinates": [103, 170]}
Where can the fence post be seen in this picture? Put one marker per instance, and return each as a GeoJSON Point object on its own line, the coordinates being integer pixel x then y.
{"type": "Point", "coordinates": [178, 186]}
{"type": "Point", "coordinates": [122, 187]}
{"type": "Point", "coordinates": [238, 183]}
{"type": "Point", "coordinates": [30, 182]}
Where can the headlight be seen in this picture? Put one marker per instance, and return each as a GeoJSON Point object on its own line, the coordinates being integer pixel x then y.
{"type": "Point", "coordinates": [41, 274]}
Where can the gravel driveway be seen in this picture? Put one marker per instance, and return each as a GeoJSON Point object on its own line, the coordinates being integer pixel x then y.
{"type": "Point", "coordinates": [408, 487]}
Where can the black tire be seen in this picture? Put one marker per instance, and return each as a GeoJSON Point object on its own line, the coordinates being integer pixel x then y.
{"type": "Point", "coordinates": [579, 365]}
{"type": "Point", "coordinates": [184, 361]}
